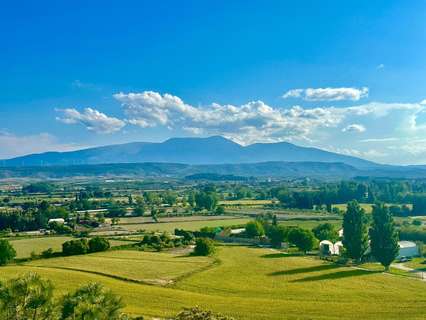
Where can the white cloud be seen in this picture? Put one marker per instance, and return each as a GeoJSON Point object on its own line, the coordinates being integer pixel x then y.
{"type": "Point", "coordinates": [250, 122]}
{"type": "Point", "coordinates": [327, 94]}
{"type": "Point", "coordinates": [354, 128]}
{"type": "Point", "coordinates": [380, 66]}
{"type": "Point", "coordinates": [12, 145]}
{"type": "Point", "coordinates": [258, 122]}
{"type": "Point", "coordinates": [423, 102]}
{"type": "Point", "coordinates": [293, 93]}
{"type": "Point", "coordinates": [92, 119]}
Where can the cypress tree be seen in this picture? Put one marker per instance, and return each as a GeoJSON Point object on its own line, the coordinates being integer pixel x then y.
{"type": "Point", "coordinates": [355, 236]}
{"type": "Point", "coordinates": [383, 235]}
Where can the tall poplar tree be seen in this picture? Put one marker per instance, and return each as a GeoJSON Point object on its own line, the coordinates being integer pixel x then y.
{"type": "Point", "coordinates": [355, 235]}
{"type": "Point", "coordinates": [383, 236]}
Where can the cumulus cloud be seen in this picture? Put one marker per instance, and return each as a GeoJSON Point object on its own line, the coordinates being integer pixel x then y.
{"type": "Point", "coordinates": [92, 119]}
{"type": "Point", "coordinates": [256, 121]}
{"type": "Point", "coordinates": [354, 128]}
{"type": "Point", "coordinates": [250, 122]}
{"type": "Point", "coordinates": [12, 145]}
{"type": "Point", "coordinates": [327, 94]}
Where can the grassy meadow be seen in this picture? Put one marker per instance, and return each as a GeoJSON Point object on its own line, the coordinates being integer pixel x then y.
{"type": "Point", "coordinates": [247, 283]}
{"type": "Point", "coordinates": [138, 266]}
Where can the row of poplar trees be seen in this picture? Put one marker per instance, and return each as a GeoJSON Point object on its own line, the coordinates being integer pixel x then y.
{"type": "Point", "coordinates": [382, 234]}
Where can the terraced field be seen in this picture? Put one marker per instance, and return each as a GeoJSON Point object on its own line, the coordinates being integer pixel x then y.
{"type": "Point", "coordinates": [248, 283]}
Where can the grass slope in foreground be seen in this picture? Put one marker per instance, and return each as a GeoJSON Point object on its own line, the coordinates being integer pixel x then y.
{"type": "Point", "coordinates": [261, 284]}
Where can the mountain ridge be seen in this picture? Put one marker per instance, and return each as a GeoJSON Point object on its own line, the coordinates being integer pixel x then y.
{"type": "Point", "coordinates": [193, 151]}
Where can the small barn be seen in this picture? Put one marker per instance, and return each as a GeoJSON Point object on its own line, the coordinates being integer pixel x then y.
{"type": "Point", "coordinates": [407, 249]}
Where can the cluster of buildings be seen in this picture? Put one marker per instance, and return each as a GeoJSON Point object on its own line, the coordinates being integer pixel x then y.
{"type": "Point", "coordinates": [407, 249]}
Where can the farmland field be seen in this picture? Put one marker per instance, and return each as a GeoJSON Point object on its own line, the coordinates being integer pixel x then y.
{"type": "Point", "coordinates": [187, 225]}
{"type": "Point", "coordinates": [368, 207]}
{"type": "Point", "coordinates": [158, 268]}
{"type": "Point", "coordinates": [250, 202]}
{"type": "Point", "coordinates": [138, 220]}
{"type": "Point", "coordinates": [24, 247]}
{"type": "Point", "coordinates": [309, 224]}
{"type": "Point", "coordinates": [250, 283]}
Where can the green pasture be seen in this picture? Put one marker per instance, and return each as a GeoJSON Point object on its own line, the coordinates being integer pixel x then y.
{"type": "Point", "coordinates": [247, 283]}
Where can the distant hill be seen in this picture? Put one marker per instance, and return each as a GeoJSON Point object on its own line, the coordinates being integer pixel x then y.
{"type": "Point", "coordinates": [214, 172]}
{"type": "Point", "coordinates": [192, 151]}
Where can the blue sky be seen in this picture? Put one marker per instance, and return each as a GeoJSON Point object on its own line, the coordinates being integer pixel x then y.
{"type": "Point", "coordinates": [346, 76]}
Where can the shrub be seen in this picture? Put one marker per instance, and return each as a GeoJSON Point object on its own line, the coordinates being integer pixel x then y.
{"type": "Point", "coordinates": [204, 247]}
{"type": "Point", "coordinates": [199, 314]}
{"type": "Point", "coordinates": [74, 247]}
{"type": "Point", "coordinates": [7, 252]}
{"type": "Point", "coordinates": [48, 253]}
{"type": "Point", "coordinates": [98, 244]}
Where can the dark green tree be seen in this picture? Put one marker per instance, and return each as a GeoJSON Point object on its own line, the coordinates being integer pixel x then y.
{"type": "Point", "coordinates": [278, 234]}
{"type": "Point", "coordinates": [355, 236]}
{"type": "Point", "coordinates": [74, 247]}
{"type": "Point", "coordinates": [204, 247]}
{"type": "Point", "coordinates": [326, 231]}
{"type": "Point", "coordinates": [383, 235]}
{"type": "Point", "coordinates": [254, 229]}
{"type": "Point", "coordinates": [7, 252]}
{"type": "Point", "coordinates": [98, 244]}
{"type": "Point", "coordinates": [301, 238]}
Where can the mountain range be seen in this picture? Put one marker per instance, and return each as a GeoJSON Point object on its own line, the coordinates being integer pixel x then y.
{"type": "Point", "coordinates": [193, 151]}
{"type": "Point", "coordinates": [180, 157]}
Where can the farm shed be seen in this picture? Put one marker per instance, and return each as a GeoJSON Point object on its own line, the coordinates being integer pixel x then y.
{"type": "Point", "coordinates": [407, 249]}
